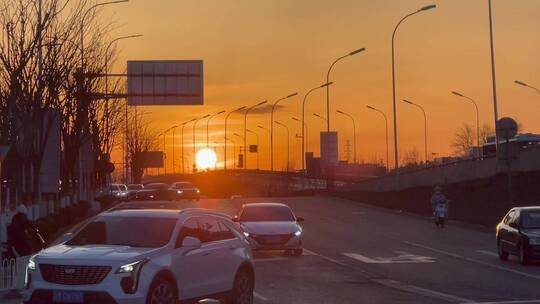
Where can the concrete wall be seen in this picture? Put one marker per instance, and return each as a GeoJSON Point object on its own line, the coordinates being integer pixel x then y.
{"type": "Point", "coordinates": [529, 160]}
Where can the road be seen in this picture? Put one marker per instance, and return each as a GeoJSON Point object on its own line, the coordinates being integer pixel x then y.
{"type": "Point", "coordinates": [357, 253]}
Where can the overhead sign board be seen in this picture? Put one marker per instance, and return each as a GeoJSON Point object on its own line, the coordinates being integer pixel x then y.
{"type": "Point", "coordinates": [165, 82]}
{"type": "Point", "coordinates": [150, 159]}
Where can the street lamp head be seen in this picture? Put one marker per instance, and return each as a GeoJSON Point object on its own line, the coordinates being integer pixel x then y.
{"type": "Point", "coordinates": [327, 84]}
{"type": "Point", "coordinates": [427, 8]}
{"type": "Point", "coordinates": [295, 119]}
{"type": "Point", "coordinates": [409, 102]}
{"type": "Point", "coordinates": [277, 122]}
{"type": "Point", "coordinates": [340, 112]}
{"type": "Point", "coordinates": [370, 107]}
{"type": "Point", "coordinates": [457, 94]}
{"type": "Point", "coordinates": [292, 95]}
{"type": "Point", "coordinates": [357, 51]}
{"type": "Point", "coordinates": [260, 127]}
{"type": "Point", "coordinates": [521, 83]}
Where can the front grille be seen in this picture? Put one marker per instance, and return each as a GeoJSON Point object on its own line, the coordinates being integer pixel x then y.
{"type": "Point", "coordinates": [73, 274]}
{"type": "Point", "coordinates": [276, 239]}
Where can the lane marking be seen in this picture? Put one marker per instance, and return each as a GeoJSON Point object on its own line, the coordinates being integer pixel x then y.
{"type": "Point", "coordinates": [510, 302]}
{"type": "Point", "coordinates": [456, 256]}
{"type": "Point", "coordinates": [402, 258]}
{"type": "Point", "coordinates": [421, 291]}
{"type": "Point", "coordinates": [324, 257]}
{"type": "Point", "coordinates": [260, 296]}
{"type": "Point", "coordinates": [490, 253]}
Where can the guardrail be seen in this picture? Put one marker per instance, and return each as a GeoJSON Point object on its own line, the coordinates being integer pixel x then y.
{"type": "Point", "coordinates": [12, 273]}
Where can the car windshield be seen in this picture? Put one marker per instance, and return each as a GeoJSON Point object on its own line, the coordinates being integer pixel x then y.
{"type": "Point", "coordinates": [267, 214]}
{"type": "Point", "coordinates": [184, 185]}
{"type": "Point", "coordinates": [530, 219]}
{"type": "Point", "coordinates": [156, 186]}
{"type": "Point", "coordinates": [135, 187]}
{"type": "Point", "coordinates": [145, 232]}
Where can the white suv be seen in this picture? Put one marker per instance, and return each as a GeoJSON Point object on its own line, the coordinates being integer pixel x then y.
{"type": "Point", "coordinates": [146, 256]}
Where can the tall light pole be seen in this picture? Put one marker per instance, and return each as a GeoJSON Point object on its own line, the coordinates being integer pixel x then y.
{"type": "Point", "coordinates": [477, 115]}
{"type": "Point", "coordinates": [354, 131]}
{"type": "Point", "coordinates": [272, 128]}
{"type": "Point", "coordinates": [173, 152]}
{"type": "Point", "coordinates": [394, 106]}
{"type": "Point", "coordinates": [257, 136]}
{"type": "Point", "coordinates": [245, 128]}
{"type": "Point", "coordinates": [225, 138]}
{"type": "Point", "coordinates": [425, 126]}
{"type": "Point", "coordinates": [386, 125]}
{"type": "Point", "coordinates": [234, 150]}
{"type": "Point", "coordinates": [304, 139]}
{"type": "Point", "coordinates": [288, 144]}
{"type": "Point", "coordinates": [183, 155]}
{"type": "Point", "coordinates": [328, 87]}
{"type": "Point", "coordinates": [265, 129]}
{"type": "Point", "coordinates": [82, 23]}
{"type": "Point", "coordinates": [208, 126]}
{"type": "Point", "coordinates": [493, 78]}
{"type": "Point", "coordinates": [194, 149]}
{"type": "Point", "coordinates": [521, 83]}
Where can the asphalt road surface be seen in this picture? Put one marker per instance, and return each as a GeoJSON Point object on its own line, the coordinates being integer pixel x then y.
{"type": "Point", "coordinates": [356, 253]}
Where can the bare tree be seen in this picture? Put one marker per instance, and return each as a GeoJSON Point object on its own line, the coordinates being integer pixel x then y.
{"type": "Point", "coordinates": [140, 138]}
{"type": "Point", "coordinates": [411, 157]}
{"type": "Point", "coordinates": [464, 139]}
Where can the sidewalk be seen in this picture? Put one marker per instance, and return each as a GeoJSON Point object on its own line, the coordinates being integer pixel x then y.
{"type": "Point", "coordinates": [9, 297]}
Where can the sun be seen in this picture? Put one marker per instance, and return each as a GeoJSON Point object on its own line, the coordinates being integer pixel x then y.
{"type": "Point", "coordinates": [206, 159]}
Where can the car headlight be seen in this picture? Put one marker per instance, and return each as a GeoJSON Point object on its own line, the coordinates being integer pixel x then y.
{"type": "Point", "coordinates": [128, 268]}
{"type": "Point", "coordinates": [534, 241]}
{"type": "Point", "coordinates": [31, 264]}
{"type": "Point", "coordinates": [179, 191]}
{"type": "Point", "coordinates": [246, 234]}
{"type": "Point", "coordinates": [198, 191]}
{"type": "Point", "coordinates": [298, 233]}
{"type": "Point", "coordinates": [129, 283]}
{"type": "Point", "coordinates": [151, 196]}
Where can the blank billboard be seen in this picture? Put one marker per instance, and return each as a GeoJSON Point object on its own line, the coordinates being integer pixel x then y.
{"type": "Point", "coordinates": [150, 159]}
{"type": "Point", "coordinates": [165, 82]}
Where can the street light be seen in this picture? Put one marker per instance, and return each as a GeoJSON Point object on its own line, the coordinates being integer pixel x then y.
{"type": "Point", "coordinates": [304, 139]}
{"type": "Point", "coordinates": [225, 132]}
{"type": "Point", "coordinates": [521, 83]}
{"type": "Point", "coordinates": [173, 153]}
{"type": "Point", "coordinates": [257, 136]}
{"type": "Point", "coordinates": [265, 129]}
{"type": "Point", "coordinates": [194, 150]}
{"type": "Point", "coordinates": [394, 107]}
{"type": "Point", "coordinates": [477, 115]}
{"type": "Point", "coordinates": [208, 125]}
{"type": "Point", "coordinates": [425, 126]}
{"type": "Point", "coordinates": [183, 157]}
{"type": "Point", "coordinates": [288, 144]}
{"type": "Point", "coordinates": [234, 149]}
{"type": "Point", "coordinates": [319, 116]}
{"type": "Point", "coordinates": [245, 128]}
{"type": "Point", "coordinates": [82, 24]}
{"type": "Point", "coordinates": [354, 131]}
{"type": "Point", "coordinates": [328, 87]}
{"type": "Point", "coordinates": [386, 125]}
{"type": "Point", "coordinates": [272, 128]}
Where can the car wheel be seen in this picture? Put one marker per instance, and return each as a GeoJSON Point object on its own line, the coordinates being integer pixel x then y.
{"type": "Point", "coordinates": [242, 292]}
{"type": "Point", "coordinates": [503, 255]}
{"type": "Point", "coordinates": [298, 252]}
{"type": "Point", "coordinates": [523, 257]}
{"type": "Point", "coordinates": [162, 291]}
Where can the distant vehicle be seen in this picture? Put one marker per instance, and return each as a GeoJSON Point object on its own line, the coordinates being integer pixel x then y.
{"type": "Point", "coordinates": [113, 193]}
{"type": "Point", "coordinates": [519, 234]}
{"type": "Point", "coordinates": [133, 189]}
{"type": "Point", "coordinates": [185, 190]}
{"type": "Point", "coordinates": [271, 226]}
{"type": "Point", "coordinates": [522, 141]}
{"type": "Point", "coordinates": [153, 191]}
{"type": "Point", "coordinates": [145, 256]}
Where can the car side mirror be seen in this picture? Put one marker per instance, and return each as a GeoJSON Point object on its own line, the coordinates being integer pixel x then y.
{"type": "Point", "coordinates": [235, 219]}
{"type": "Point", "coordinates": [191, 243]}
{"type": "Point", "coordinates": [300, 219]}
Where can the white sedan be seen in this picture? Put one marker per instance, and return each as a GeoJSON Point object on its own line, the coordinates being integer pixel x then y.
{"type": "Point", "coordinates": [271, 226]}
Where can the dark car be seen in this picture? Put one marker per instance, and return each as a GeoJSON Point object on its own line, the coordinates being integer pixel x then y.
{"type": "Point", "coordinates": [519, 234]}
{"type": "Point", "coordinates": [184, 190]}
{"type": "Point", "coordinates": [133, 189]}
{"type": "Point", "coordinates": [153, 191]}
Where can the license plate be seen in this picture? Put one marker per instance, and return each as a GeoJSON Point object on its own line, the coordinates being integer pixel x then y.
{"type": "Point", "coordinates": [60, 296]}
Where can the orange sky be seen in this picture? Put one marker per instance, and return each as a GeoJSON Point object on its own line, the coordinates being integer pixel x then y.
{"type": "Point", "coordinates": [266, 49]}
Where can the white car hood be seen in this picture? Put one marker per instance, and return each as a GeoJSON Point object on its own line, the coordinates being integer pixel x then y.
{"type": "Point", "coordinates": [270, 228]}
{"type": "Point", "coordinates": [104, 254]}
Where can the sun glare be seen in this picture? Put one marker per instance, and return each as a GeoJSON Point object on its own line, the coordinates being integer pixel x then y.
{"type": "Point", "coordinates": [206, 159]}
